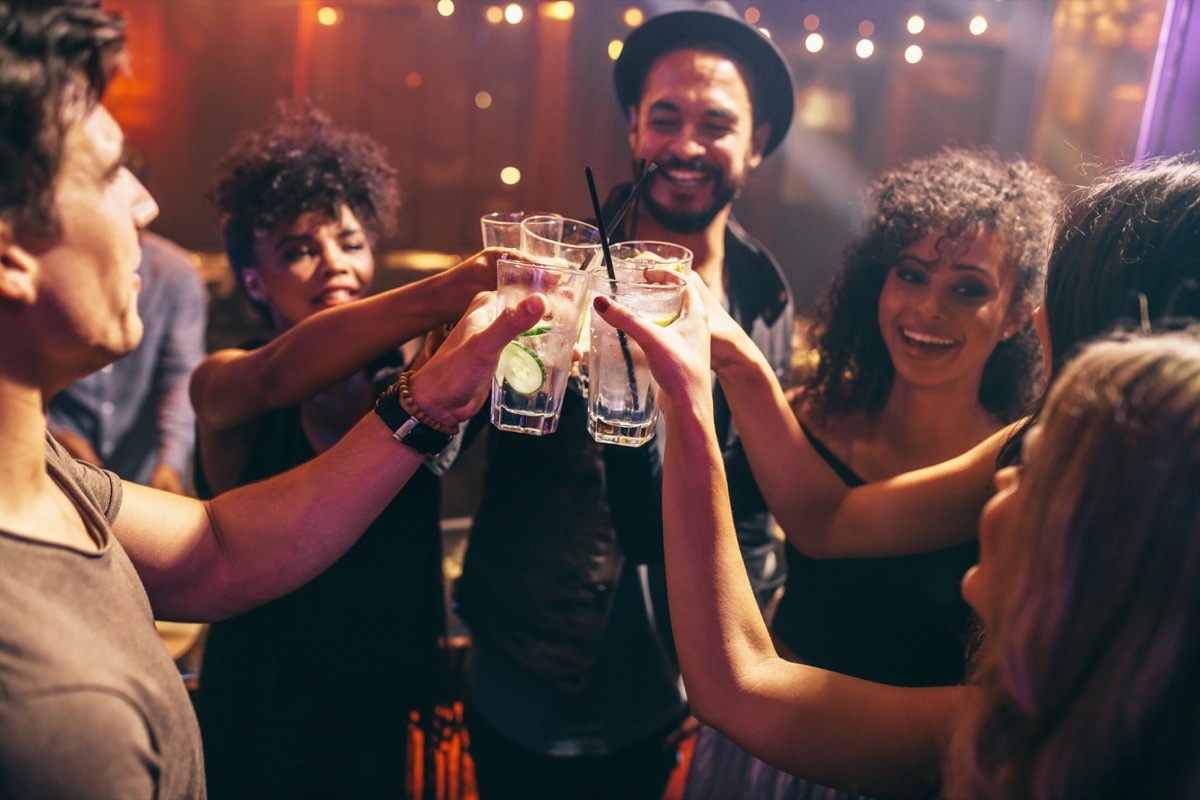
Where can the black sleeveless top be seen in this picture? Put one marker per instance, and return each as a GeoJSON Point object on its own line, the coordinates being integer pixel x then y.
{"type": "Point", "coordinates": [359, 641]}
{"type": "Point", "coordinates": [900, 621]}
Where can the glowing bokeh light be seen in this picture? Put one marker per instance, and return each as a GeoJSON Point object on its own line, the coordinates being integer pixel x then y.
{"type": "Point", "coordinates": [562, 10]}
{"type": "Point", "coordinates": [328, 15]}
{"type": "Point", "coordinates": [413, 80]}
{"type": "Point", "coordinates": [812, 22]}
{"type": "Point", "coordinates": [633, 17]}
{"type": "Point", "coordinates": [814, 42]}
{"type": "Point", "coordinates": [916, 24]}
{"type": "Point", "coordinates": [614, 49]}
{"type": "Point", "coordinates": [913, 53]}
{"type": "Point", "coordinates": [483, 100]}
{"type": "Point", "coordinates": [513, 13]}
{"type": "Point", "coordinates": [866, 28]}
{"type": "Point", "coordinates": [445, 7]}
{"type": "Point", "coordinates": [977, 25]}
{"type": "Point", "coordinates": [510, 176]}
{"type": "Point", "coordinates": [752, 15]}
{"type": "Point", "coordinates": [494, 15]}
{"type": "Point", "coordinates": [865, 48]}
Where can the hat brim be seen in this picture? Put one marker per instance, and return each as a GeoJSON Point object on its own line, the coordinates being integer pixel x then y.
{"type": "Point", "coordinates": [774, 96]}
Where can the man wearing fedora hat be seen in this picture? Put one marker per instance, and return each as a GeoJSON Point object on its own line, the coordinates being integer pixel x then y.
{"type": "Point", "coordinates": [573, 688]}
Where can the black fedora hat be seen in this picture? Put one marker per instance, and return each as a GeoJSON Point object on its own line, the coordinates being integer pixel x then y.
{"type": "Point", "coordinates": [714, 23]}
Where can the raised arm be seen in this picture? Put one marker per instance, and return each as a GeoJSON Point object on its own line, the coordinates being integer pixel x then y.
{"type": "Point", "coordinates": [826, 727]}
{"type": "Point", "coordinates": [205, 561]}
{"type": "Point", "coordinates": [821, 516]}
{"type": "Point", "coordinates": [233, 386]}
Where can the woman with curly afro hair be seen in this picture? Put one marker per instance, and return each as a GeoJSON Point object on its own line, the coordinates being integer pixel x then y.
{"type": "Point", "coordinates": [310, 695]}
{"type": "Point", "coordinates": [922, 348]}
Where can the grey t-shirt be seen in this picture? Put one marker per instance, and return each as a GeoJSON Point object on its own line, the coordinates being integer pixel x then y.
{"type": "Point", "coordinates": [90, 703]}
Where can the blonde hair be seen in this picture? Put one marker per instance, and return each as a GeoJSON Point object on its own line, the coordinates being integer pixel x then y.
{"type": "Point", "coordinates": [1087, 686]}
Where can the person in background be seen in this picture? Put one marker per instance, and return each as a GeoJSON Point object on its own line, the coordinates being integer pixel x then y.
{"type": "Point", "coordinates": [93, 705]}
{"type": "Point", "coordinates": [1086, 562]}
{"type": "Point", "coordinates": [923, 348]}
{"type": "Point", "coordinates": [134, 415]}
{"type": "Point", "coordinates": [572, 684]}
{"type": "Point", "coordinates": [310, 695]}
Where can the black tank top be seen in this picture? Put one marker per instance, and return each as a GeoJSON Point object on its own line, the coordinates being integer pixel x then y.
{"type": "Point", "coordinates": [900, 621]}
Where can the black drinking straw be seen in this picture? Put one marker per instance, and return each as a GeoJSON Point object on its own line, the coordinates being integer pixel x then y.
{"type": "Point", "coordinates": [612, 279]}
{"type": "Point", "coordinates": [634, 193]}
{"type": "Point", "coordinates": [637, 202]}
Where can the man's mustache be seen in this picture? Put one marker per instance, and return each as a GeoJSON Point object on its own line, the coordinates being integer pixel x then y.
{"type": "Point", "coordinates": [691, 165]}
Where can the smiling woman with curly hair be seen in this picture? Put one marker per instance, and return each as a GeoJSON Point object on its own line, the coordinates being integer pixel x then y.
{"type": "Point", "coordinates": [955, 194]}
{"type": "Point", "coordinates": [923, 348]}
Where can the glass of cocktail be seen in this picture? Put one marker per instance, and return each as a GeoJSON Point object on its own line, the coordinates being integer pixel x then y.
{"type": "Point", "coordinates": [645, 254]}
{"type": "Point", "coordinates": [622, 407]}
{"type": "Point", "coordinates": [503, 228]}
{"type": "Point", "coordinates": [527, 389]}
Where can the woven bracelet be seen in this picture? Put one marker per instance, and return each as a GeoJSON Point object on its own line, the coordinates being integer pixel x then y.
{"type": "Point", "coordinates": [410, 405]}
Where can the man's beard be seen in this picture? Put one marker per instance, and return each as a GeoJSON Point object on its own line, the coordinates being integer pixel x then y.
{"type": "Point", "coordinates": [724, 192]}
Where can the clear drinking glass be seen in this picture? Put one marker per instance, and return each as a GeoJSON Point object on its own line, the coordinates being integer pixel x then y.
{"type": "Point", "coordinates": [643, 254]}
{"type": "Point", "coordinates": [503, 228]}
{"type": "Point", "coordinates": [622, 407]}
{"type": "Point", "coordinates": [559, 241]}
{"type": "Point", "coordinates": [527, 389]}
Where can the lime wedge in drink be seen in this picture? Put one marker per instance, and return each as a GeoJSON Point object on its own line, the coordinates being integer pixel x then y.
{"type": "Point", "coordinates": [663, 320]}
{"type": "Point", "coordinates": [521, 368]}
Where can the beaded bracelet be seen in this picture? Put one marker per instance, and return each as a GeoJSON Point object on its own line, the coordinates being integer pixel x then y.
{"type": "Point", "coordinates": [410, 405]}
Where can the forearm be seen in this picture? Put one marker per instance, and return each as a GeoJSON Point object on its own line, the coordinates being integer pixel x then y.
{"type": "Point", "coordinates": [917, 511]}
{"type": "Point", "coordinates": [718, 628]}
{"type": "Point", "coordinates": [209, 560]}
{"type": "Point", "coordinates": [826, 727]}
{"type": "Point", "coordinates": [801, 490]}
{"type": "Point", "coordinates": [268, 538]}
{"type": "Point", "coordinates": [233, 387]}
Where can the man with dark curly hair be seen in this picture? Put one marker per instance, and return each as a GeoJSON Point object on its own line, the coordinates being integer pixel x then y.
{"type": "Point", "coordinates": [92, 704]}
{"type": "Point", "coordinates": [303, 697]}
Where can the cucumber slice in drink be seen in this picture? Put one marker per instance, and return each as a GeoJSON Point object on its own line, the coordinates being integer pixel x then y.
{"type": "Point", "coordinates": [521, 368]}
{"type": "Point", "coordinates": [538, 329]}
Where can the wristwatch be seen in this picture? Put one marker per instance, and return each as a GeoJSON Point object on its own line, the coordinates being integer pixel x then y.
{"type": "Point", "coordinates": [407, 429]}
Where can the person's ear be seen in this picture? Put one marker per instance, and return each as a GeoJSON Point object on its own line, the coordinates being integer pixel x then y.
{"type": "Point", "coordinates": [253, 284]}
{"type": "Point", "coordinates": [18, 269]}
{"type": "Point", "coordinates": [758, 143]}
{"type": "Point", "coordinates": [1018, 315]}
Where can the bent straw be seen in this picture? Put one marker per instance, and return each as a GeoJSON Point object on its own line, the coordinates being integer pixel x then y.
{"type": "Point", "coordinates": [612, 279]}
{"type": "Point", "coordinates": [634, 195]}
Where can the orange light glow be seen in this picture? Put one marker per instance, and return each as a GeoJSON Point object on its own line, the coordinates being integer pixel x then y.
{"type": "Point", "coordinates": [561, 10]}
